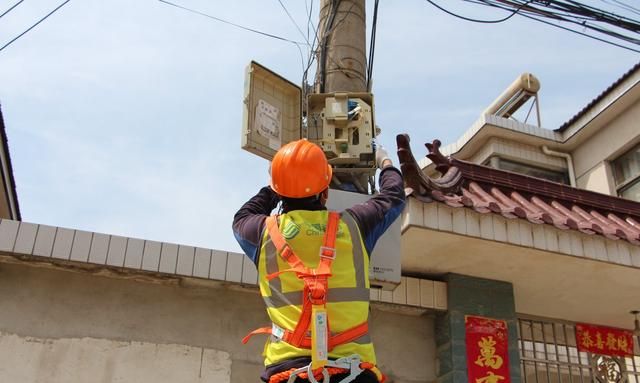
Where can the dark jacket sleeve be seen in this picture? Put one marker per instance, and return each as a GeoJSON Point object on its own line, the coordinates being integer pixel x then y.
{"type": "Point", "coordinates": [248, 222]}
{"type": "Point", "coordinates": [376, 215]}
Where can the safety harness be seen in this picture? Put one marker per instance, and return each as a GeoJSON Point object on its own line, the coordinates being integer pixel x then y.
{"type": "Point", "coordinates": [314, 313]}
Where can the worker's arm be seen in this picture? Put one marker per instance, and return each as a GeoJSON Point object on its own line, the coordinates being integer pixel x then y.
{"type": "Point", "coordinates": [376, 215]}
{"type": "Point", "coordinates": [248, 223]}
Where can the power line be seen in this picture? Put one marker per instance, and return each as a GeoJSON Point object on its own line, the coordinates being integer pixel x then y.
{"type": "Point", "coordinates": [34, 25]}
{"type": "Point", "coordinates": [9, 10]}
{"type": "Point", "coordinates": [299, 30]}
{"type": "Point", "coordinates": [574, 12]}
{"type": "Point", "coordinates": [478, 20]}
{"type": "Point", "coordinates": [372, 45]}
{"type": "Point", "coordinates": [582, 34]}
{"type": "Point", "coordinates": [622, 5]}
{"type": "Point", "coordinates": [294, 22]}
{"type": "Point", "coordinates": [309, 9]}
{"type": "Point", "coordinates": [323, 41]}
{"type": "Point", "coordinates": [627, 7]}
{"type": "Point", "coordinates": [233, 24]}
{"type": "Point", "coordinates": [312, 51]}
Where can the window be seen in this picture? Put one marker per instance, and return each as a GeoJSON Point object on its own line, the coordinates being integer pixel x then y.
{"type": "Point", "coordinates": [626, 173]}
{"type": "Point", "coordinates": [528, 170]}
{"type": "Point", "coordinates": [548, 354]}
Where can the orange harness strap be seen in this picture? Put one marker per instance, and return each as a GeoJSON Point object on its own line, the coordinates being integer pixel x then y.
{"type": "Point", "coordinates": [315, 280]}
{"type": "Point", "coordinates": [315, 286]}
{"type": "Point", "coordinates": [346, 336]}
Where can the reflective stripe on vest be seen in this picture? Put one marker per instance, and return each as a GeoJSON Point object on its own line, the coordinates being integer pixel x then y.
{"type": "Point", "coordinates": [358, 293]}
{"type": "Point", "coordinates": [348, 294]}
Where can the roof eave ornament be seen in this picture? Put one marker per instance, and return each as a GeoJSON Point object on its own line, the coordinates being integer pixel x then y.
{"type": "Point", "coordinates": [416, 182]}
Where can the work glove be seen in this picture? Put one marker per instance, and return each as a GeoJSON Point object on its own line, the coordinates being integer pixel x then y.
{"type": "Point", "coordinates": [381, 155]}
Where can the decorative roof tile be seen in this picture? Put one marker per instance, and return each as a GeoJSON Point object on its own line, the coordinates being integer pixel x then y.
{"type": "Point", "coordinates": [516, 196]}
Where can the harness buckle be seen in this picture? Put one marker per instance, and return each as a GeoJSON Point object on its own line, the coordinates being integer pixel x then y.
{"type": "Point", "coordinates": [327, 252]}
{"type": "Point", "coordinates": [319, 298]}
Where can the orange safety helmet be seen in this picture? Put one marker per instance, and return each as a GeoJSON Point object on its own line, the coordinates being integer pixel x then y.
{"type": "Point", "coordinates": [300, 169]}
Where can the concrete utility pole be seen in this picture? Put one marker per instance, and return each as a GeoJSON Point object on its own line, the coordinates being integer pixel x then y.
{"type": "Point", "coordinates": [342, 61]}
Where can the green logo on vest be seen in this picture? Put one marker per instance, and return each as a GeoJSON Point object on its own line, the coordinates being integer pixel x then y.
{"type": "Point", "coordinates": [318, 229]}
{"type": "Point", "coordinates": [290, 230]}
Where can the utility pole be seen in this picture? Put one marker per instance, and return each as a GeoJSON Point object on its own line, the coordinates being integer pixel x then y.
{"type": "Point", "coordinates": [342, 59]}
{"type": "Point", "coordinates": [340, 110]}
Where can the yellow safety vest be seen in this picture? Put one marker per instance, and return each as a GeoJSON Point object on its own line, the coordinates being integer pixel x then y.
{"type": "Point", "coordinates": [347, 300]}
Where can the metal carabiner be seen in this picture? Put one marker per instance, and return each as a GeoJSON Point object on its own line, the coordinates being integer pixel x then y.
{"type": "Point", "coordinates": [310, 377]}
{"type": "Point", "coordinates": [350, 363]}
{"type": "Point", "coordinates": [354, 368]}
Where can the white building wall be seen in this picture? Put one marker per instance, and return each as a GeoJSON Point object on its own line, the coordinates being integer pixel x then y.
{"type": "Point", "coordinates": [519, 152]}
{"type": "Point", "coordinates": [591, 158]}
{"type": "Point", "coordinates": [77, 326]}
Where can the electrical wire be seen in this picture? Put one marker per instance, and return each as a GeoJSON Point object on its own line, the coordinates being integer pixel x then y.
{"type": "Point", "coordinates": [585, 16]}
{"type": "Point", "coordinates": [478, 20]}
{"type": "Point", "coordinates": [312, 53]}
{"type": "Point", "coordinates": [622, 6]}
{"type": "Point", "coordinates": [309, 10]}
{"type": "Point", "coordinates": [294, 22]}
{"type": "Point", "coordinates": [34, 25]}
{"type": "Point", "coordinates": [327, 28]}
{"type": "Point", "coordinates": [560, 9]}
{"type": "Point", "coordinates": [627, 7]}
{"type": "Point", "coordinates": [372, 45]}
{"type": "Point", "coordinates": [575, 12]}
{"type": "Point", "coordinates": [10, 9]}
{"type": "Point", "coordinates": [233, 24]}
{"type": "Point", "coordinates": [582, 34]}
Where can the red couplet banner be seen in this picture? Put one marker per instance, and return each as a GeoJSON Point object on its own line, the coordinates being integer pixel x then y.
{"type": "Point", "coordinates": [604, 340]}
{"type": "Point", "coordinates": [487, 350]}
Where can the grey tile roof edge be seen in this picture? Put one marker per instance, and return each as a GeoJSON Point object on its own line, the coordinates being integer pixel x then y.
{"type": "Point", "coordinates": [598, 98]}
{"type": "Point", "coordinates": [5, 145]}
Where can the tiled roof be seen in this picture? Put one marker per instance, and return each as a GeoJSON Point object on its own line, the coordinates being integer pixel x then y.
{"type": "Point", "coordinates": [601, 96]}
{"type": "Point", "coordinates": [492, 191]}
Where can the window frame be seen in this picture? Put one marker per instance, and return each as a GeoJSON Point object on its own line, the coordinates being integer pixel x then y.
{"type": "Point", "coordinates": [627, 183]}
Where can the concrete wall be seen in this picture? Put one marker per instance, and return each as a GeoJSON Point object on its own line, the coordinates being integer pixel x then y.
{"type": "Point", "coordinates": [598, 179]}
{"type": "Point", "coordinates": [590, 159]}
{"type": "Point", "coordinates": [74, 326]}
{"type": "Point", "coordinates": [518, 152]}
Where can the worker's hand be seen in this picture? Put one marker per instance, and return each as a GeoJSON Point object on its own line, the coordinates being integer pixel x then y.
{"type": "Point", "coordinates": [382, 157]}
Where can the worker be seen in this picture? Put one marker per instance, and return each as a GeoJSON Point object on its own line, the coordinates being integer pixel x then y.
{"type": "Point", "coordinates": [313, 266]}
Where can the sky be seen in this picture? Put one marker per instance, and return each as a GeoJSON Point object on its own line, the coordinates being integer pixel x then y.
{"type": "Point", "coordinates": [124, 117]}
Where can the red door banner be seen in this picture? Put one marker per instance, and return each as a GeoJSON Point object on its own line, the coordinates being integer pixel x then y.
{"type": "Point", "coordinates": [487, 350]}
{"type": "Point", "coordinates": [604, 340]}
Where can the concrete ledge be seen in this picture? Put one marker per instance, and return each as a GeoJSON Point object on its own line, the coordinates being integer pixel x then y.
{"type": "Point", "coordinates": [518, 232]}
{"type": "Point", "coordinates": [69, 247]}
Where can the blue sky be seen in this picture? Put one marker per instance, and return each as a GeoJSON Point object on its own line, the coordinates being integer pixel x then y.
{"type": "Point", "coordinates": [124, 117]}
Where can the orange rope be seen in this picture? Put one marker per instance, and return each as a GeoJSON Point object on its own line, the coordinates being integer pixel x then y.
{"type": "Point", "coordinates": [317, 373]}
{"type": "Point", "coordinates": [284, 375]}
